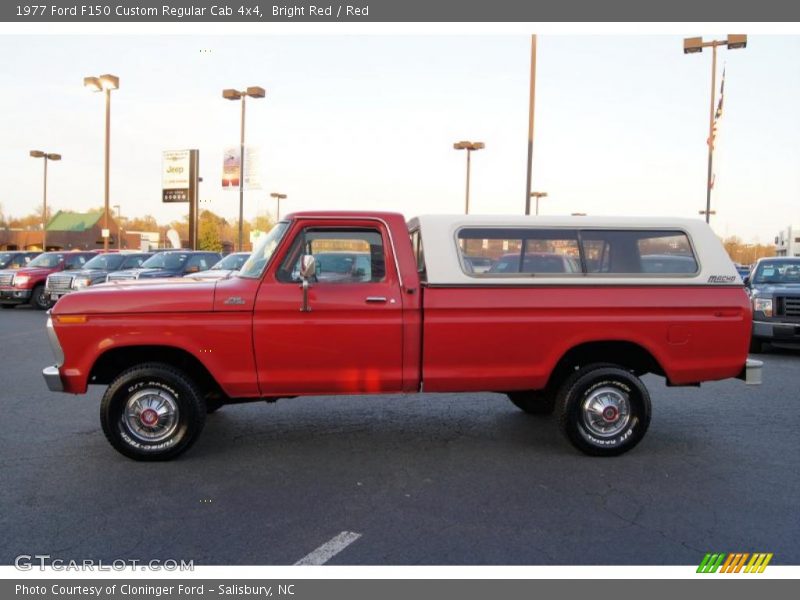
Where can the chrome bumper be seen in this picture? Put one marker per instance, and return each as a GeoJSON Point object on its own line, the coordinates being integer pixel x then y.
{"type": "Point", "coordinates": [52, 378]}
{"type": "Point", "coordinates": [751, 374]}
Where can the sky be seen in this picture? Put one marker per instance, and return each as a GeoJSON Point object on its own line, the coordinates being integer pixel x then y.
{"type": "Point", "coordinates": [368, 122]}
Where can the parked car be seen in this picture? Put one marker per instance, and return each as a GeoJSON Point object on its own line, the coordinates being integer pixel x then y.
{"type": "Point", "coordinates": [26, 285]}
{"type": "Point", "coordinates": [535, 262]}
{"type": "Point", "coordinates": [668, 263]}
{"type": "Point", "coordinates": [94, 271]}
{"type": "Point", "coordinates": [774, 286]}
{"type": "Point", "coordinates": [225, 268]}
{"type": "Point", "coordinates": [174, 263]}
{"type": "Point", "coordinates": [743, 270]}
{"type": "Point", "coordinates": [13, 260]}
{"type": "Point", "coordinates": [577, 340]}
{"type": "Point", "coordinates": [479, 264]}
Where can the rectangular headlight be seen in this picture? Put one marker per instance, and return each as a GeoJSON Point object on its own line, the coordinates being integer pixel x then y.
{"type": "Point", "coordinates": [763, 305]}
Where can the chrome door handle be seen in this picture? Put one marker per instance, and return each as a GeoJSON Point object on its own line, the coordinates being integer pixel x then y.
{"type": "Point", "coordinates": [376, 298]}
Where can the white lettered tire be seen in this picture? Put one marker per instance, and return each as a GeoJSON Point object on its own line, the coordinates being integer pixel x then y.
{"type": "Point", "coordinates": [152, 411]}
{"type": "Point", "coordinates": [603, 410]}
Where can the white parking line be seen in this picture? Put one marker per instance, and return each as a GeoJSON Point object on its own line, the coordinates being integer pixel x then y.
{"type": "Point", "coordinates": [329, 549]}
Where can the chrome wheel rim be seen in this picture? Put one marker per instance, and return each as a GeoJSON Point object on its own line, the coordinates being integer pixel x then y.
{"type": "Point", "coordinates": [151, 415]}
{"type": "Point", "coordinates": [606, 411]}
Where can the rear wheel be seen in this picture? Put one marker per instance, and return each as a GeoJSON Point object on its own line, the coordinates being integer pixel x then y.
{"type": "Point", "coordinates": [152, 412]}
{"type": "Point", "coordinates": [603, 411]}
{"type": "Point", "coordinates": [533, 402]}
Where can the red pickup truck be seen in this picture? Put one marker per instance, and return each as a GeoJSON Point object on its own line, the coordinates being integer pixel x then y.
{"type": "Point", "coordinates": [27, 285]}
{"type": "Point", "coordinates": [402, 309]}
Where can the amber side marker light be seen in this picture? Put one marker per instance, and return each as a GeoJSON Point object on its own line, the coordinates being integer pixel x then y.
{"type": "Point", "coordinates": [71, 318]}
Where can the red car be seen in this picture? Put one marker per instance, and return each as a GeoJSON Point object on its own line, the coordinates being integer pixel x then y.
{"type": "Point", "coordinates": [27, 285]}
{"type": "Point", "coordinates": [415, 317]}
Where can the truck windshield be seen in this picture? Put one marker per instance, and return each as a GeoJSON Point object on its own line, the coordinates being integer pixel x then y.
{"type": "Point", "coordinates": [51, 259]}
{"type": "Point", "coordinates": [778, 271]}
{"type": "Point", "coordinates": [105, 262]}
{"type": "Point", "coordinates": [165, 260]}
{"type": "Point", "coordinates": [265, 247]}
{"type": "Point", "coordinates": [5, 258]}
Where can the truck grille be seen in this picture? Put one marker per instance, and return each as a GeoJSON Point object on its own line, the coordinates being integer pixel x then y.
{"type": "Point", "coordinates": [788, 306]}
{"type": "Point", "coordinates": [6, 278]}
{"type": "Point", "coordinates": [59, 283]}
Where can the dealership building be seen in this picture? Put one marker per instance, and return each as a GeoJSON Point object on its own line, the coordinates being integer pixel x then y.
{"type": "Point", "coordinates": [787, 242]}
{"type": "Point", "coordinates": [77, 231]}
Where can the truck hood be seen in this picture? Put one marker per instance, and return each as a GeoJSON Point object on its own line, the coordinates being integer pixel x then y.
{"type": "Point", "coordinates": [137, 296]}
{"type": "Point", "coordinates": [36, 271]}
{"type": "Point", "coordinates": [776, 290]}
{"type": "Point", "coordinates": [148, 273]}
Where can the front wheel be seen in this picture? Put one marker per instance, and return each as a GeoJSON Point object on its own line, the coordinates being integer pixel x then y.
{"type": "Point", "coordinates": [152, 412]}
{"type": "Point", "coordinates": [756, 346]}
{"type": "Point", "coordinates": [39, 299]}
{"type": "Point", "coordinates": [604, 411]}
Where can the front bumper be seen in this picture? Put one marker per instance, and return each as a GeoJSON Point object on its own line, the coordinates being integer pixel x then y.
{"type": "Point", "coordinates": [780, 333]}
{"type": "Point", "coordinates": [14, 296]}
{"type": "Point", "coordinates": [52, 375]}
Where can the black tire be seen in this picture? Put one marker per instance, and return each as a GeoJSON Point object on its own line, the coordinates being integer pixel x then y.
{"type": "Point", "coordinates": [756, 346]}
{"type": "Point", "coordinates": [153, 387]}
{"type": "Point", "coordinates": [625, 398]}
{"type": "Point", "coordinates": [533, 402]}
{"type": "Point", "coordinates": [39, 299]}
{"type": "Point", "coordinates": [7, 306]}
{"type": "Point", "coordinates": [213, 405]}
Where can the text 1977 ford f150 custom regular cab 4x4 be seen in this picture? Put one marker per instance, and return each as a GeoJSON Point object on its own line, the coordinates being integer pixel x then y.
{"type": "Point", "coordinates": [414, 315]}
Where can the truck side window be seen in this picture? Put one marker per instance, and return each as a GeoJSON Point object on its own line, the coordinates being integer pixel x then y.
{"type": "Point", "coordinates": [342, 255]}
{"type": "Point", "coordinates": [489, 251]}
{"type": "Point", "coordinates": [638, 252]}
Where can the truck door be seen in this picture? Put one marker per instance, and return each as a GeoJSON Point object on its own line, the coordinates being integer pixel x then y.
{"type": "Point", "coordinates": [350, 340]}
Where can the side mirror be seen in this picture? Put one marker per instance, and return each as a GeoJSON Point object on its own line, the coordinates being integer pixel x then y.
{"type": "Point", "coordinates": [308, 266]}
{"type": "Point", "coordinates": [746, 280]}
{"type": "Point", "coordinates": [308, 269]}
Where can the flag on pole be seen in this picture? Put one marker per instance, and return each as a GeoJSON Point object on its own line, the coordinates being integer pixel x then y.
{"type": "Point", "coordinates": [718, 112]}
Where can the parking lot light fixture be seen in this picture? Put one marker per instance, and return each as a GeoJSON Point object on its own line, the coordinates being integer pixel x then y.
{"type": "Point", "coordinates": [106, 84]}
{"type": "Point", "coordinates": [538, 195]}
{"type": "Point", "coordinates": [278, 197]}
{"type": "Point", "coordinates": [232, 94]}
{"type": "Point", "coordinates": [470, 147]}
{"type": "Point", "coordinates": [47, 156]}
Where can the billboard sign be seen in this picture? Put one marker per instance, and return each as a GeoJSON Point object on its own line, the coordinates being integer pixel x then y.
{"type": "Point", "coordinates": [176, 180]}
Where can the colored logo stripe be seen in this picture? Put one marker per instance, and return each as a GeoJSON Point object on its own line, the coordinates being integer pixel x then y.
{"type": "Point", "coordinates": [734, 562]}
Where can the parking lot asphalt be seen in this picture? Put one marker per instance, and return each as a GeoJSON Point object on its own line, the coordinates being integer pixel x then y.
{"type": "Point", "coordinates": [447, 479]}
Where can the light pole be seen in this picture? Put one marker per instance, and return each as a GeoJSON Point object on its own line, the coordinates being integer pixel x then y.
{"type": "Point", "coordinates": [278, 197]}
{"type": "Point", "coordinates": [231, 94]}
{"type": "Point", "coordinates": [105, 83]}
{"type": "Point", "coordinates": [47, 157]}
{"type": "Point", "coordinates": [695, 45]}
{"type": "Point", "coordinates": [119, 226]}
{"type": "Point", "coordinates": [531, 110]}
{"type": "Point", "coordinates": [536, 195]}
{"type": "Point", "coordinates": [470, 147]}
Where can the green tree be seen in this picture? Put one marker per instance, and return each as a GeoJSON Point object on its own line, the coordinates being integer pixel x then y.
{"type": "Point", "coordinates": [209, 227]}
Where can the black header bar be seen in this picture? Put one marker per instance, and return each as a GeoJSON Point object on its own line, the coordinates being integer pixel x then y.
{"type": "Point", "coordinates": [419, 11]}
